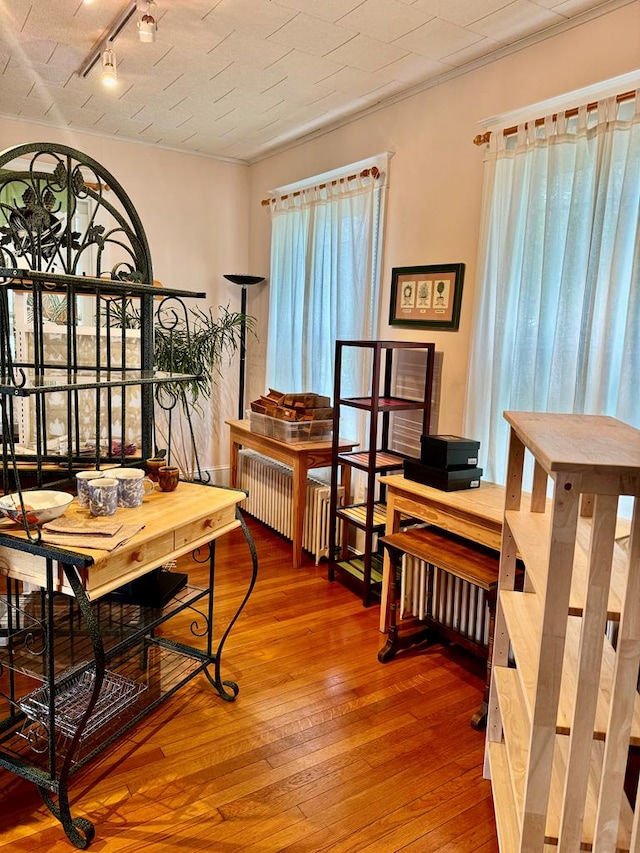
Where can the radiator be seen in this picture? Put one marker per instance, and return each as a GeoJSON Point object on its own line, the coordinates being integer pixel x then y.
{"type": "Point", "coordinates": [270, 488]}
{"type": "Point", "coordinates": [451, 601]}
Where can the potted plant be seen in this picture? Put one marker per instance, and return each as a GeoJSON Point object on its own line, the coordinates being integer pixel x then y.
{"type": "Point", "coordinates": [200, 343]}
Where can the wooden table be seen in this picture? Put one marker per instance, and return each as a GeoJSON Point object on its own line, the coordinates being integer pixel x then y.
{"type": "Point", "coordinates": [475, 514]}
{"type": "Point", "coordinates": [301, 457]}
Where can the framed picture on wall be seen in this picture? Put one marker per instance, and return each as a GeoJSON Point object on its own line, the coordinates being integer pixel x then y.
{"type": "Point", "coordinates": [427, 297]}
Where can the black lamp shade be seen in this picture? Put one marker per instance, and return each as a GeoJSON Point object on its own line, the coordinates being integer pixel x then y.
{"type": "Point", "coordinates": [244, 280]}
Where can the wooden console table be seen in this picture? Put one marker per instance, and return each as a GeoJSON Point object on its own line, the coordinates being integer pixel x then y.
{"type": "Point", "coordinates": [301, 457]}
{"type": "Point", "coordinates": [475, 514]}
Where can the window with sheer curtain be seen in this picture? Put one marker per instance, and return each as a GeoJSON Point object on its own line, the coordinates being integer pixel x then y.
{"type": "Point", "coordinates": [324, 279]}
{"type": "Point", "coordinates": [558, 298]}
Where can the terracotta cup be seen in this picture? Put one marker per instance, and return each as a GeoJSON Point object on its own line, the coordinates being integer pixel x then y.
{"type": "Point", "coordinates": [153, 465]}
{"type": "Point", "coordinates": [168, 478]}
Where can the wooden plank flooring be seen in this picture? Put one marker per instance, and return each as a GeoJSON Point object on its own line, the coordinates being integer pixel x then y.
{"type": "Point", "coordinates": [325, 749]}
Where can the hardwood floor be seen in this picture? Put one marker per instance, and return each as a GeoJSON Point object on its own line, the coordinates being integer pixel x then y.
{"type": "Point", "coordinates": [325, 749]}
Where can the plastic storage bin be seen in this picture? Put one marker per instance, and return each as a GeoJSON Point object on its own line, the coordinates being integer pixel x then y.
{"type": "Point", "coordinates": [290, 432]}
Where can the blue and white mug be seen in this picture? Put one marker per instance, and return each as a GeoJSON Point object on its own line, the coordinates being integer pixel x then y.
{"type": "Point", "coordinates": [103, 496]}
{"type": "Point", "coordinates": [83, 479]}
{"type": "Point", "coordinates": [133, 485]}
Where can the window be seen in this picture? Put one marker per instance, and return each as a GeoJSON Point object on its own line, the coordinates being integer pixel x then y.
{"type": "Point", "coordinates": [325, 274]}
{"type": "Point", "coordinates": [558, 298]}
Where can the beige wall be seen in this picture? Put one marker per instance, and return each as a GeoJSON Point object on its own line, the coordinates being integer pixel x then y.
{"type": "Point", "coordinates": [433, 211]}
{"type": "Point", "coordinates": [194, 211]}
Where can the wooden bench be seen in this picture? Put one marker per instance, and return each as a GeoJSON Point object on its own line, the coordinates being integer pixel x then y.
{"type": "Point", "coordinates": [456, 558]}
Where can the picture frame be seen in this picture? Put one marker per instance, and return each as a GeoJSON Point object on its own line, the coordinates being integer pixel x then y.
{"type": "Point", "coordinates": [427, 297]}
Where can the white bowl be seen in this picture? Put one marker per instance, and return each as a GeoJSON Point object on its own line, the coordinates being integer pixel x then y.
{"type": "Point", "coordinates": [41, 505]}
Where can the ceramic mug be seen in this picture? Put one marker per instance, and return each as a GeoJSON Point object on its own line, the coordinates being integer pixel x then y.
{"type": "Point", "coordinates": [133, 485]}
{"type": "Point", "coordinates": [82, 480]}
{"type": "Point", "coordinates": [103, 496]}
{"type": "Point", "coordinates": [168, 477]}
{"type": "Point", "coordinates": [153, 465]}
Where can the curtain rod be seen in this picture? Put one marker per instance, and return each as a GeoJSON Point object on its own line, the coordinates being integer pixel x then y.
{"type": "Point", "coordinates": [374, 172]}
{"type": "Point", "coordinates": [483, 138]}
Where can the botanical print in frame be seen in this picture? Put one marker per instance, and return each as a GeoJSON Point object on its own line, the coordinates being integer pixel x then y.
{"type": "Point", "coordinates": [427, 297]}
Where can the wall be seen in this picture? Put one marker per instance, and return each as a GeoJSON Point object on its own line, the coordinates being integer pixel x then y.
{"type": "Point", "coordinates": [194, 212]}
{"type": "Point", "coordinates": [434, 200]}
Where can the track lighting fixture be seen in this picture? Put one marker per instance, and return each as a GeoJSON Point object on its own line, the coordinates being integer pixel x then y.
{"type": "Point", "coordinates": [147, 25]}
{"type": "Point", "coordinates": [109, 73]}
{"type": "Point", "coordinates": [146, 12]}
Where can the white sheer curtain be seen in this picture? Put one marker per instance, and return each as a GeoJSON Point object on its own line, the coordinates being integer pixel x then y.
{"type": "Point", "coordinates": [558, 299]}
{"type": "Point", "coordinates": [324, 280]}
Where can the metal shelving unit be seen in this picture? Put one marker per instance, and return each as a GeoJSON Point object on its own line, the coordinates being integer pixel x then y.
{"type": "Point", "coordinates": [80, 663]}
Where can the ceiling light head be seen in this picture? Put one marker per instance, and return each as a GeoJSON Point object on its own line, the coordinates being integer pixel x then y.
{"type": "Point", "coordinates": [147, 25]}
{"type": "Point", "coordinates": [109, 73]}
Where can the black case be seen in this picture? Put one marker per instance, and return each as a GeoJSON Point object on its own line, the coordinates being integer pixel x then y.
{"type": "Point", "coordinates": [448, 451]}
{"type": "Point", "coordinates": [448, 480]}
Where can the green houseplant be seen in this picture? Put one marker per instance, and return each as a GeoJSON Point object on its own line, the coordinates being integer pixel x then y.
{"type": "Point", "coordinates": [200, 344]}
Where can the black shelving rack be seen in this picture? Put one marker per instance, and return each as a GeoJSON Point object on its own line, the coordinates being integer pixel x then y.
{"type": "Point", "coordinates": [362, 570]}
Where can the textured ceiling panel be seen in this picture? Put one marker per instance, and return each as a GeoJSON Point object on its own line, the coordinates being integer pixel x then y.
{"type": "Point", "coordinates": [240, 78]}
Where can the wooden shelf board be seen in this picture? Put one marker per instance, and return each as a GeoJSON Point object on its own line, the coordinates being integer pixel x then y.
{"type": "Point", "coordinates": [523, 616]}
{"type": "Point", "coordinates": [573, 443]}
{"type": "Point", "coordinates": [507, 823]}
{"type": "Point", "coordinates": [355, 566]}
{"type": "Point", "coordinates": [507, 802]}
{"type": "Point", "coordinates": [556, 797]}
{"type": "Point", "coordinates": [384, 404]}
{"type": "Point", "coordinates": [381, 460]}
{"type": "Point", "coordinates": [358, 514]}
{"type": "Point", "coordinates": [516, 727]}
{"type": "Point", "coordinates": [531, 530]}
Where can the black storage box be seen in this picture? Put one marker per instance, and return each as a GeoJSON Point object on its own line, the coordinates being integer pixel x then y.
{"type": "Point", "coordinates": [447, 480]}
{"type": "Point", "coordinates": [448, 451]}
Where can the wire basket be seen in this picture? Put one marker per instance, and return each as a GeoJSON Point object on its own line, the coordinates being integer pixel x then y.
{"type": "Point", "coordinates": [72, 698]}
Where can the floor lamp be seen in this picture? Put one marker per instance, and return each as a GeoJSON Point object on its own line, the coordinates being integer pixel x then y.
{"type": "Point", "coordinates": [244, 281]}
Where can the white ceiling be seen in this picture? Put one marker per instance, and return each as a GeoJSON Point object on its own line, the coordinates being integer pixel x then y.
{"type": "Point", "coordinates": [237, 79]}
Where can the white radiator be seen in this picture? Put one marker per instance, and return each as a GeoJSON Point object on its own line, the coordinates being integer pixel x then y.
{"type": "Point", "coordinates": [455, 603]}
{"type": "Point", "coordinates": [270, 488]}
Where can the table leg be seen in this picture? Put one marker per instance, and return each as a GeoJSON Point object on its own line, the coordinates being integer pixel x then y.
{"type": "Point", "coordinates": [479, 719]}
{"type": "Point", "coordinates": [233, 462]}
{"type": "Point", "coordinates": [392, 526]}
{"type": "Point", "coordinates": [299, 501]}
{"type": "Point", "coordinates": [394, 557]}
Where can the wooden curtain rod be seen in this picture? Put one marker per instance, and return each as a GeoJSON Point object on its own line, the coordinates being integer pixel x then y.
{"type": "Point", "coordinates": [374, 172]}
{"type": "Point", "coordinates": [483, 138]}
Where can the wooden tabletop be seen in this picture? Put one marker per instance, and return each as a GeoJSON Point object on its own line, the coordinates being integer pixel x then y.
{"type": "Point", "coordinates": [293, 447]}
{"type": "Point", "coordinates": [485, 502]}
{"type": "Point", "coordinates": [173, 523]}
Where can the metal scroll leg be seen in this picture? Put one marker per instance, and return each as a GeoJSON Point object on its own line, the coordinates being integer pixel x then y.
{"type": "Point", "coordinates": [228, 690]}
{"type": "Point", "coordinates": [79, 831]}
